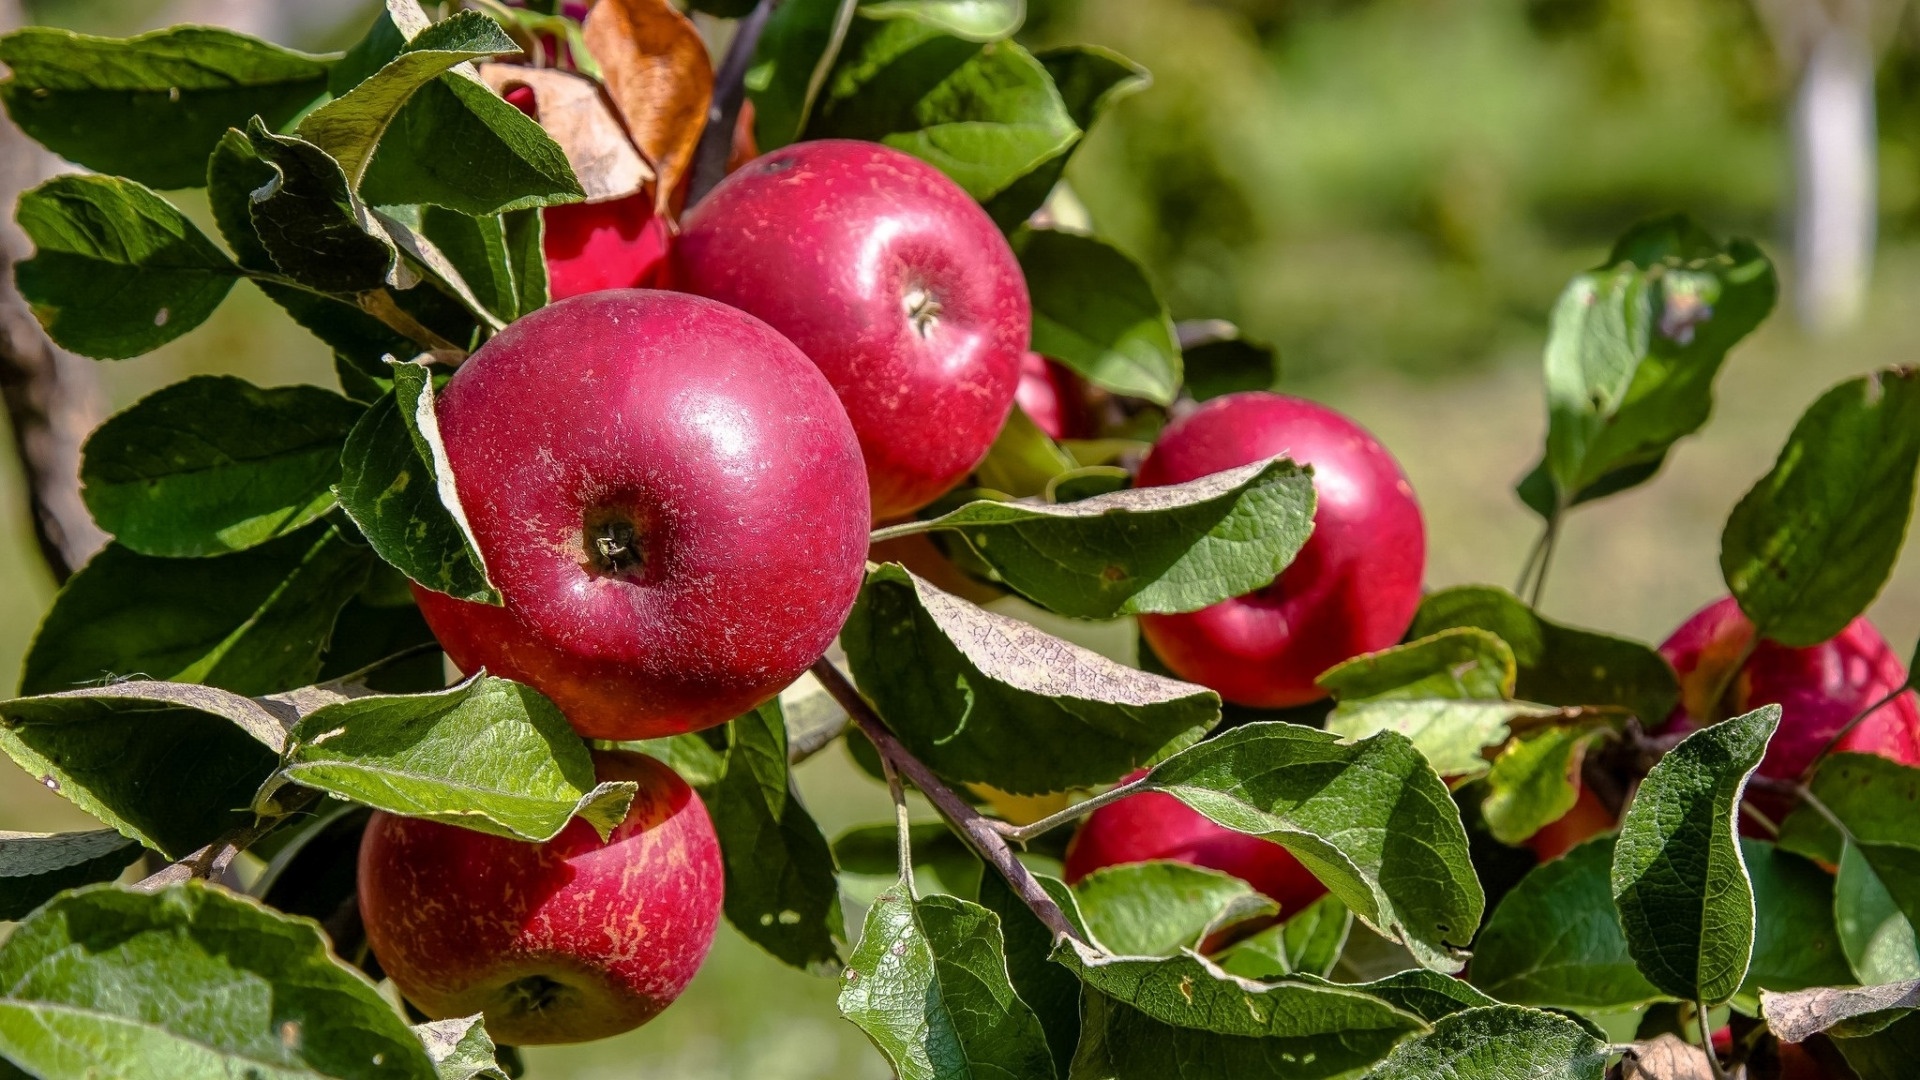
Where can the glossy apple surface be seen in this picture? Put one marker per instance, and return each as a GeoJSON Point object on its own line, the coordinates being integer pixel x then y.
{"type": "Point", "coordinates": [1819, 689]}
{"type": "Point", "coordinates": [1054, 398]}
{"type": "Point", "coordinates": [1355, 585]}
{"type": "Point", "coordinates": [670, 501]}
{"type": "Point", "coordinates": [893, 280]}
{"type": "Point", "coordinates": [565, 941]}
{"type": "Point", "coordinates": [1155, 825]}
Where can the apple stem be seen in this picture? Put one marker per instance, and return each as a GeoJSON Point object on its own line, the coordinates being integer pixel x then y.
{"type": "Point", "coordinates": [1846, 729]}
{"type": "Point", "coordinates": [1706, 1040]}
{"type": "Point", "coordinates": [976, 829]}
{"type": "Point", "coordinates": [729, 91]}
{"type": "Point", "coordinates": [1023, 834]}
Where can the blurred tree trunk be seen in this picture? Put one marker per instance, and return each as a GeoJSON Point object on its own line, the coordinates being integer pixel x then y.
{"type": "Point", "coordinates": [52, 397]}
{"type": "Point", "coordinates": [1831, 47]}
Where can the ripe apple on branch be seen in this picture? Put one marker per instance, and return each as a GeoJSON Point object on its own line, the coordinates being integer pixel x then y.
{"type": "Point", "coordinates": [635, 422]}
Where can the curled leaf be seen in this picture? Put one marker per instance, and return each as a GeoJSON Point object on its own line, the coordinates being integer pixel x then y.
{"type": "Point", "coordinates": [576, 115]}
{"type": "Point", "coordinates": [660, 78]}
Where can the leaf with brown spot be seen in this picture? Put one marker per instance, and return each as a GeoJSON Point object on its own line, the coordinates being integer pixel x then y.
{"type": "Point", "coordinates": [577, 115]}
{"type": "Point", "coordinates": [660, 78]}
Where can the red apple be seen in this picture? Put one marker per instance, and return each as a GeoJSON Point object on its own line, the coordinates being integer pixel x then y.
{"type": "Point", "coordinates": [669, 499]}
{"type": "Point", "coordinates": [893, 280]}
{"type": "Point", "coordinates": [1053, 397]}
{"type": "Point", "coordinates": [1155, 825]}
{"type": "Point", "coordinates": [1587, 819]}
{"type": "Point", "coordinates": [1355, 585]}
{"type": "Point", "coordinates": [1819, 689]}
{"type": "Point", "coordinates": [565, 941]}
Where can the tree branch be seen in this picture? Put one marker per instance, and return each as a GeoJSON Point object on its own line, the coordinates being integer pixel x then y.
{"type": "Point", "coordinates": [729, 92]}
{"type": "Point", "coordinates": [978, 831]}
{"type": "Point", "coordinates": [212, 861]}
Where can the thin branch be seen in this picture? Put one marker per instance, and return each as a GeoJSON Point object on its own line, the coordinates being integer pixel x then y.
{"type": "Point", "coordinates": [729, 92]}
{"type": "Point", "coordinates": [1024, 834]}
{"type": "Point", "coordinates": [977, 830]}
{"type": "Point", "coordinates": [211, 861]}
{"type": "Point", "coordinates": [1549, 540]}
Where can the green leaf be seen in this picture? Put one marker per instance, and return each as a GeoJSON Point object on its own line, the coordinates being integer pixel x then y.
{"type": "Point", "coordinates": [1308, 943]}
{"type": "Point", "coordinates": [526, 258]}
{"type": "Point", "coordinates": [215, 464]}
{"type": "Point", "coordinates": [798, 48]}
{"type": "Point", "coordinates": [1325, 1030]}
{"type": "Point", "coordinates": [780, 888]}
{"type": "Point", "coordinates": [975, 20]}
{"type": "Point", "coordinates": [1426, 994]}
{"type": "Point", "coordinates": [1800, 1015]}
{"type": "Point", "coordinates": [1160, 549]}
{"type": "Point", "coordinates": [1370, 819]}
{"type": "Point", "coordinates": [1633, 351]}
{"type": "Point", "coordinates": [690, 755]}
{"type": "Point", "coordinates": [458, 144]}
{"type": "Point", "coordinates": [1230, 365]}
{"type": "Point", "coordinates": [928, 984]}
{"type": "Point", "coordinates": [311, 225]}
{"type": "Point", "coordinates": [1795, 943]}
{"type": "Point", "coordinates": [1876, 937]}
{"type": "Point", "coordinates": [117, 271]}
{"type": "Point", "coordinates": [460, 1049]}
{"type": "Point", "coordinates": [1678, 876]}
{"type": "Point", "coordinates": [1089, 78]}
{"type": "Point", "coordinates": [1023, 461]}
{"type": "Point", "coordinates": [1158, 908]}
{"type": "Point", "coordinates": [396, 485]}
{"type": "Point", "coordinates": [1556, 939]}
{"type": "Point", "coordinates": [1887, 1054]}
{"type": "Point", "coordinates": [1498, 1042]}
{"type": "Point", "coordinates": [477, 250]}
{"type": "Point", "coordinates": [1872, 798]}
{"type": "Point", "coordinates": [983, 698]}
{"type": "Point", "coordinates": [253, 622]}
{"type": "Point", "coordinates": [191, 981]}
{"type": "Point", "coordinates": [1048, 988]}
{"type": "Point", "coordinates": [942, 862]}
{"type": "Point", "coordinates": [1556, 664]}
{"type": "Point", "coordinates": [1812, 544]}
{"type": "Point", "coordinates": [36, 866]}
{"type": "Point", "coordinates": [985, 115]}
{"type": "Point", "coordinates": [100, 102]}
{"type": "Point", "coordinates": [350, 126]}
{"type": "Point", "coordinates": [1095, 311]}
{"type": "Point", "coordinates": [1532, 782]}
{"type": "Point", "coordinates": [489, 755]}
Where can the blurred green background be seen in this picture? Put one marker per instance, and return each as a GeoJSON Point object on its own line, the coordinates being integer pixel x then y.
{"type": "Point", "coordinates": [1393, 192]}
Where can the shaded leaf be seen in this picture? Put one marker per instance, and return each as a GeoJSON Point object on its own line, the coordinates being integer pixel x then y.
{"type": "Point", "coordinates": [1887, 1054]}
{"type": "Point", "coordinates": [656, 70]}
{"type": "Point", "coordinates": [1679, 879]}
{"type": "Point", "coordinates": [790, 65]}
{"type": "Point", "coordinates": [1049, 989]}
{"type": "Point", "coordinates": [1534, 780]}
{"type": "Point", "coordinates": [1810, 546]}
{"type": "Point", "coordinates": [1023, 461]}
{"type": "Point", "coordinates": [1428, 995]}
{"type": "Point", "coordinates": [117, 271]}
{"type": "Point", "coordinates": [1158, 908]}
{"type": "Point", "coordinates": [1230, 366]}
{"type": "Point", "coordinates": [1307, 943]}
{"type": "Point", "coordinates": [1089, 78]}
{"type": "Point", "coordinates": [1370, 819]}
{"type": "Point", "coordinates": [983, 698]}
{"type": "Point", "coordinates": [458, 144]}
{"type": "Point", "coordinates": [310, 223]}
{"type": "Point", "coordinates": [579, 119]}
{"type": "Point", "coordinates": [1876, 937]}
{"type": "Point", "coordinates": [34, 867]}
{"type": "Point", "coordinates": [1095, 311]}
{"type": "Point", "coordinates": [1498, 1042]}
{"type": "Point", "coordinates": [215, 464]}
{"type": "Point", "coordinates": [1160, 549]}
{"type": "Point", "coordinates": [99, 102]}
{"type": "Point", "coordinates": [1795, 943]}
{"type": "Point", "coordinates": [191, 981]}
{"type": "Point", "coordinates": [489, 755]}
{"type": "Point", "coordinates": [1872, 798]}
{"type": "Point", "coordinates": [1556, 939]}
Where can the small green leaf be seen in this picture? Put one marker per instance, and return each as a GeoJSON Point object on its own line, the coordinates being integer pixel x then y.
{"type": "Point", "coordinates": [36, 866]}
{"type": "Point", "coordinates": [1370, 819]}
{"type": "Point", "coordinates": [985, 115]}
{"type": "Point", "coordinates": [350, 126]}
{"type": "Point", "coordinates": [1633, 351]}
{"type": "Point", "coordinates": [395, 484]}
{"type": "Point", "coordinates": [191, 981]}
{"type": "Point", "coordinates": [253, 622]}
{"type": "Point", "coordinates": [928, 984]}
{"type": "Point", "coordinates": [1558, 665]}
{"type": "Point", "coordinates": [1800, 1015]}
{"type": "Point", "coordinates": [1023, 461]}
{"type": "Point", "coordinates": [1795, 943]}
{"type": "Point", "coordinates": [1160, 549]}
{"type": "Point", "coordinates": [458, 144]}
{"type": "Point", "coordinates": [1875, 935]}
{"type": "Point", "coordinates": [310, 223]}
{"type": "Point", "coordinates": [117, 270]}
{"type": "Point", "coordinates": [1089, 78]}
{"type": "Point", "coordinates": [1158, 908]}
{"type": "Point", "coordinates": [1308, 943]}
{"type": "Point", "coordinates": [690, 755]}
{"type": "Point", "coordinates": [1685, 898]}
{"type": "Point", "coordinates": [1498, 1042]}
{"type": "Point", "coordinates": [983, 698]}
{"type": "Point", "coordinates": [1095, 311]}
{"type": "Point", "coordinates": [1427, 994]}
{"type": "Point", "coordinates": [1230, 365]}
{"type": "Point", "coordinates": [1812, 544]}
{"type": "Point", "coordinates": [780, 889]}
{"type": "Point", "coordinates": [215, 464]}
{"type": "Point", "coordinates": [489, 755]}
{"type": "Point", "coordinates": [460, 1049]}
{"type": "Point", "coordinates": [1556, 940]}
{"type": "Point", "coordinates": [151, 107]}
{"type": "Point", "coordinates": [1887, 1054]}
{"type": "Point", "coordinates": [1532, 782]}
{"type": "Point", "coordinates": [798, 48]}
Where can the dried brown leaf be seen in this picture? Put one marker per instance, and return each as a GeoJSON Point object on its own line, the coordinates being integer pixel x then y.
{"type": "Point", "coordinates": [1666, 1058]}
{"type": "Point", "coordinates": [579, 117]}
{"type": "Point", "coordinates": [660, 78]}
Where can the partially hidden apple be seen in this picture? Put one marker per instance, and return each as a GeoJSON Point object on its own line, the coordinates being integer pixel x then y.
{"type": "Point", "coordinates": [1587, 819]}
{"type": "Point", "coordinates": [1819, 689]}
{"type": "Point", "coordinates": [1054, 398]}
{"type": "Point", "coordinates": [1353, 588]}
{"type": "Point", "coordinates": [893, 280]}
{"type": "Point", "coordinates": [1155, 825]}
{"type": "Point", "coordinates": [670, 501]}
{"type": "Point", "coordinates": [566, 941]}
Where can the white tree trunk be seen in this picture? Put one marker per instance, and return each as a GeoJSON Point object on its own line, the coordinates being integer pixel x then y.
{"type": "Point", "coordinates": [1836, 198]}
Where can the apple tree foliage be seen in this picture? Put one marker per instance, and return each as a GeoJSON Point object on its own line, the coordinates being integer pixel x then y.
{"type": "Point", "coordinates": [243, 669]}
